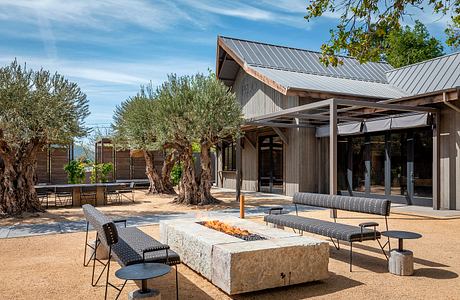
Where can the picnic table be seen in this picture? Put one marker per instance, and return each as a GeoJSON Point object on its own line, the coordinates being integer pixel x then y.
{"type": "Point", "coordinates": [76, 189]}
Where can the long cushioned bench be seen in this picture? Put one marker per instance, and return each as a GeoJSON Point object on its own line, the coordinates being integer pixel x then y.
{"type": "Point", "coordinates": [127, 245]}
{"type": "Point", "coordinates": [333, 230]}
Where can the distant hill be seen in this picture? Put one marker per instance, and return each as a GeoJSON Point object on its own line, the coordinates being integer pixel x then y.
{"type": "Point", "coordinates": [83, 151]}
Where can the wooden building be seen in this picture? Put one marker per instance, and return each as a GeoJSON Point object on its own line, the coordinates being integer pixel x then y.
{"type": "Point", "coordinates": [368, 129]}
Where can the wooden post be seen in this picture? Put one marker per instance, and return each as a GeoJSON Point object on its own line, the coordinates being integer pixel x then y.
{"type": "Point", "coordinates": [241, 206]}
{"type": "Point", "coordinates": [436, 161]}
{"type": "Point", "coordinates": [238, 168]}
{"type": "Point", "coordinates": [333, 152]}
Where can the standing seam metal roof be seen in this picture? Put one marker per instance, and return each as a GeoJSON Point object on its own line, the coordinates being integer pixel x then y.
{"type": "Point", "coordinates": [433, 75]}
{"type": "Point", "coordinates": [258, 54]}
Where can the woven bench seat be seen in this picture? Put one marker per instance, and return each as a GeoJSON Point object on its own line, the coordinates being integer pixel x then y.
{"type": "Point", "coordinates": [132, 241]}
{"type": "Point", "coordinates": [338, 231]}
{"type": "Point", "coordinates": [334, 230]}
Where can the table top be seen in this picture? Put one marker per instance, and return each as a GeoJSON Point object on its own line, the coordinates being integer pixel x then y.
{"type": "Point", "coordinates": [142, 271]}
{"type": "Point", "coordinates": [399, 234]}
{"type": "Point", "coordinates": [78, 185]}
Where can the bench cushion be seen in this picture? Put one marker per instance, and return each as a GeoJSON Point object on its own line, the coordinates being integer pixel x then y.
{"type": "Point", "coordinates": [339, 231]}
{"type": "Point", "coordinates": [355, 204]}
{"type": "Point", "coordinates": [132, 241]}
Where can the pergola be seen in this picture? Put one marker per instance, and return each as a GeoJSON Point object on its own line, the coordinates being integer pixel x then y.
{"type": "Point", "coordinates": [334, 112]}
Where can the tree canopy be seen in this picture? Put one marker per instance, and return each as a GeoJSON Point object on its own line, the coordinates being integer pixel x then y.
{"type": "Point", "coordinates": [364, 26]}
{"type": "Point", "coordinates": [408, 46]}
{"type": "Point", "coordinates": [37, 108]}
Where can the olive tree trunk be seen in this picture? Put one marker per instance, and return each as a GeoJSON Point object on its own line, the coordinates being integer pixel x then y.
{"type": "Point", "coordinates": [206, 175]}
{"type": "Point", "coordinates": [17, 185]}
{"type": "Point", "coordinates": [156, 186]}
{"type": "Point", "coordinates": [168, 165]}
{"type": "Point", "coordinates": [188, 189]}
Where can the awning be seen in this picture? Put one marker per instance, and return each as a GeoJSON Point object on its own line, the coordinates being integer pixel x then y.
{"type": "Point", "coordinates": [378, 124]}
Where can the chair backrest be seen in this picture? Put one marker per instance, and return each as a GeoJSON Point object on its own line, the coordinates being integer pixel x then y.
{"type": "Point", "coordinates": [63, 190]}
{"type": "Point", "coordinates": [355, 204]}
{"type": "Point", "coordinates": [106, 229]}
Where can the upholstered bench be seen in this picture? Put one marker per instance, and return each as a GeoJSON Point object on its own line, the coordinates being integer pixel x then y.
{"type": "Point", "coordinates": [334, 230]}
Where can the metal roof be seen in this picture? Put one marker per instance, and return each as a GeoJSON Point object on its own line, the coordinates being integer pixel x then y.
{"type": "Point", "coordinates": [303, 81]}
{"type": "Point", "coordinates": [263, 55]}
{"type": "Point", "coordinates": [433, 75]}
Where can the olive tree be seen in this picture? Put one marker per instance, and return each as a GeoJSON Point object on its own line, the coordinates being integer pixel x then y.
{"type": "Point", "coordinates": [134, 128]}
{"type": "Point", "coordinates": [195, 109]}
{"type": "Point", "coordinates": [37, 108]}
{"type": "Point", "coordinates": [218, 116]}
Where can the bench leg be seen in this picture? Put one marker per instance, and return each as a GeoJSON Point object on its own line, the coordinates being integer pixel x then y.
{"type": "Point", "coordinates": [336, 246]}
{"type": "Point", "coordinates": [383, 248]}
{"type": "Point", "coordinates": [351, 255]}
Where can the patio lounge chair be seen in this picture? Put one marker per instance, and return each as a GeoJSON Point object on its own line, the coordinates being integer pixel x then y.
{"type": "Point", "coordinates": [334, 230]}
{"type": "Point", "coordinates": [127, 245]}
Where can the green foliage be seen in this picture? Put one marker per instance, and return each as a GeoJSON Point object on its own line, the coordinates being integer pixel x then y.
{"type": "Point", "coordinates": [100, 172]}
{"type": "Point", "coordinates": [365, 26]}
{"type": "Point", "coordinates": [38, 108]}
{"type": "Point", "coordinates": [134, 125]}
{"type": "Point", "coordinates": [193, 109]}
{"type": "Point", "coordinates": [75, 170]}
{"type": "Point", "coordinates": [408, 46]}
{"type": "Point", "coordinates": [176, 173]}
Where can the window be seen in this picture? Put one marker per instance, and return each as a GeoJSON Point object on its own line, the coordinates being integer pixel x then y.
{"type": "Point", "coordinates": [229, 156]}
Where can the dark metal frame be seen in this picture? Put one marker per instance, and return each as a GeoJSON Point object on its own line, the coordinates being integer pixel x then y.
{"type": "Point", "coordinates": [110, 241]}
{"type": "Point", "coordinates": [362, 226]}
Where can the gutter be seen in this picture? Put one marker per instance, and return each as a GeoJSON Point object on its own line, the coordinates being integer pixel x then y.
{"type": "Point", "coordinates": [446, 102]}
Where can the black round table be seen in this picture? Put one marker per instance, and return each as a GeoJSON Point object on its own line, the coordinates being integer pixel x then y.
{"type": "Point", "coordinates": [143, 272]}
{"type": "Point", "coordinates": [401, 235]}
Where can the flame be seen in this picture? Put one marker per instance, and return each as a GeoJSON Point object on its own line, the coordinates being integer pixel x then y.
{"type": "Point", "coordinates": [223, 227]}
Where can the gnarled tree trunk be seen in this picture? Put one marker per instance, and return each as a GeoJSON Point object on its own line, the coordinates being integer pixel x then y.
{"type": "Point", "coordinates": [188, 190]}
{"type": "Point", "coordinates": [156, 186]}
{"type": "Point", "coordinates": [17, 191]}
{"type": "Point", "coordinates": [168, 165]}
{"type": "Point", "coordinates": [206, 175]}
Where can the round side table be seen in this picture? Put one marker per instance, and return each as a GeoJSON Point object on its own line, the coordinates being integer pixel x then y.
{"type": "Point", "coordinates": [401, 261]}
{"type": "Point", "coordinates": [143, 272]}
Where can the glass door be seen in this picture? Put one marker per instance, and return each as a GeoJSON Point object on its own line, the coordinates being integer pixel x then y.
{"type": "Point", "coordinates": [271, 164]}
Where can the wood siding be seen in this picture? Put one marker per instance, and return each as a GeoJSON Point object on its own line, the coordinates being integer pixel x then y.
{"type": "Point", "coordinates": [450, 159]}
{"type": "Point", "coordinates": [257, 99]}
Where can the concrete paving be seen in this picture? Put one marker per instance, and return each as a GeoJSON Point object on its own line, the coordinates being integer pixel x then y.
{"type": "Point", "coordinates": [23, 230]}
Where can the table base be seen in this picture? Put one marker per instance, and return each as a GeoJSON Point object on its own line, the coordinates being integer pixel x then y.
{"type": "Point", "coordinates": [152, 294]}
{"type": "Point", "coordinates": [401, 262]}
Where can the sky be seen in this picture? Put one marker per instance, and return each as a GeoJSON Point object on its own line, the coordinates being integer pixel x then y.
{"type": "Point", "coordinates": [112, 47]}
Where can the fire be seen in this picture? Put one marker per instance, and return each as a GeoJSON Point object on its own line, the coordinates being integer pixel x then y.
{"type": "Point", "coordinates": [223, 227]}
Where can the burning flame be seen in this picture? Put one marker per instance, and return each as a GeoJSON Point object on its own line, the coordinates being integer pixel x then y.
{"type": "Point", "coordinates": [223, 227]}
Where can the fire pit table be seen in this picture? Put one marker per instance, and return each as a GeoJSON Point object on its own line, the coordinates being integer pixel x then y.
{"type": "Point", "coordinates": [241, 256]}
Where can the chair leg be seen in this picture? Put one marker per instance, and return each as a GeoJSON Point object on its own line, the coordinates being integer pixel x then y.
{"type": "Point", "coordinates": [177, 286]}
{"type": "Point", "coordinates": [351, 255]}
{"type": "Point", "coordinates": [108, 273]}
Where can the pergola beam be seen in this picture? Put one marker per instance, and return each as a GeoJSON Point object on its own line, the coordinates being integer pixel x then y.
{"type": "Point", "coordinates": [282, 136]}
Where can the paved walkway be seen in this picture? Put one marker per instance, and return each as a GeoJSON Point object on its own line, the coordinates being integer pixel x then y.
{"type": "Point", "coordinates": [23, 230]}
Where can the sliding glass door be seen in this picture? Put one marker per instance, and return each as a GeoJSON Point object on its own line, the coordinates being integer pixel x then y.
{"type": "Point", "coordinates": [395, 165]}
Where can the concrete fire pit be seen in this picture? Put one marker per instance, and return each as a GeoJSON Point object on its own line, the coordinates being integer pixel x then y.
{"type": "Point", "coordinates": [238, 266]}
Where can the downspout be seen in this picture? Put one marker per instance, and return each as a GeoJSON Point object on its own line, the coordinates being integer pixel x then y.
{"type": "Point", "coordinates": [446, 102]}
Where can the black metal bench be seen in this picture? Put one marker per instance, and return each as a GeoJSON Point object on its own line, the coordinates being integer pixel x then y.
{"type": "Point", "coordinates": [127, 245]}
{"type": "Point", "coordinates": [334, 230]}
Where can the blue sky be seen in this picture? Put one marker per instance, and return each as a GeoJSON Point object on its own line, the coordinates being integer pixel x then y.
{"type": "Point", "coordinates": [111, 47]}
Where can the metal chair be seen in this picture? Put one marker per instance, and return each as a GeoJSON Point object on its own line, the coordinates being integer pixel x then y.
{"type": "Point", "coordinates": [63, 196]}
{"type": "Point", "coordinates": [125, 191]}
{"type": "Point", "coordinates": [111, 195]}
{"type": "Point", "coordinates": [88, 195]}
{"type": "Point", "coordinates": [43, 196]}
